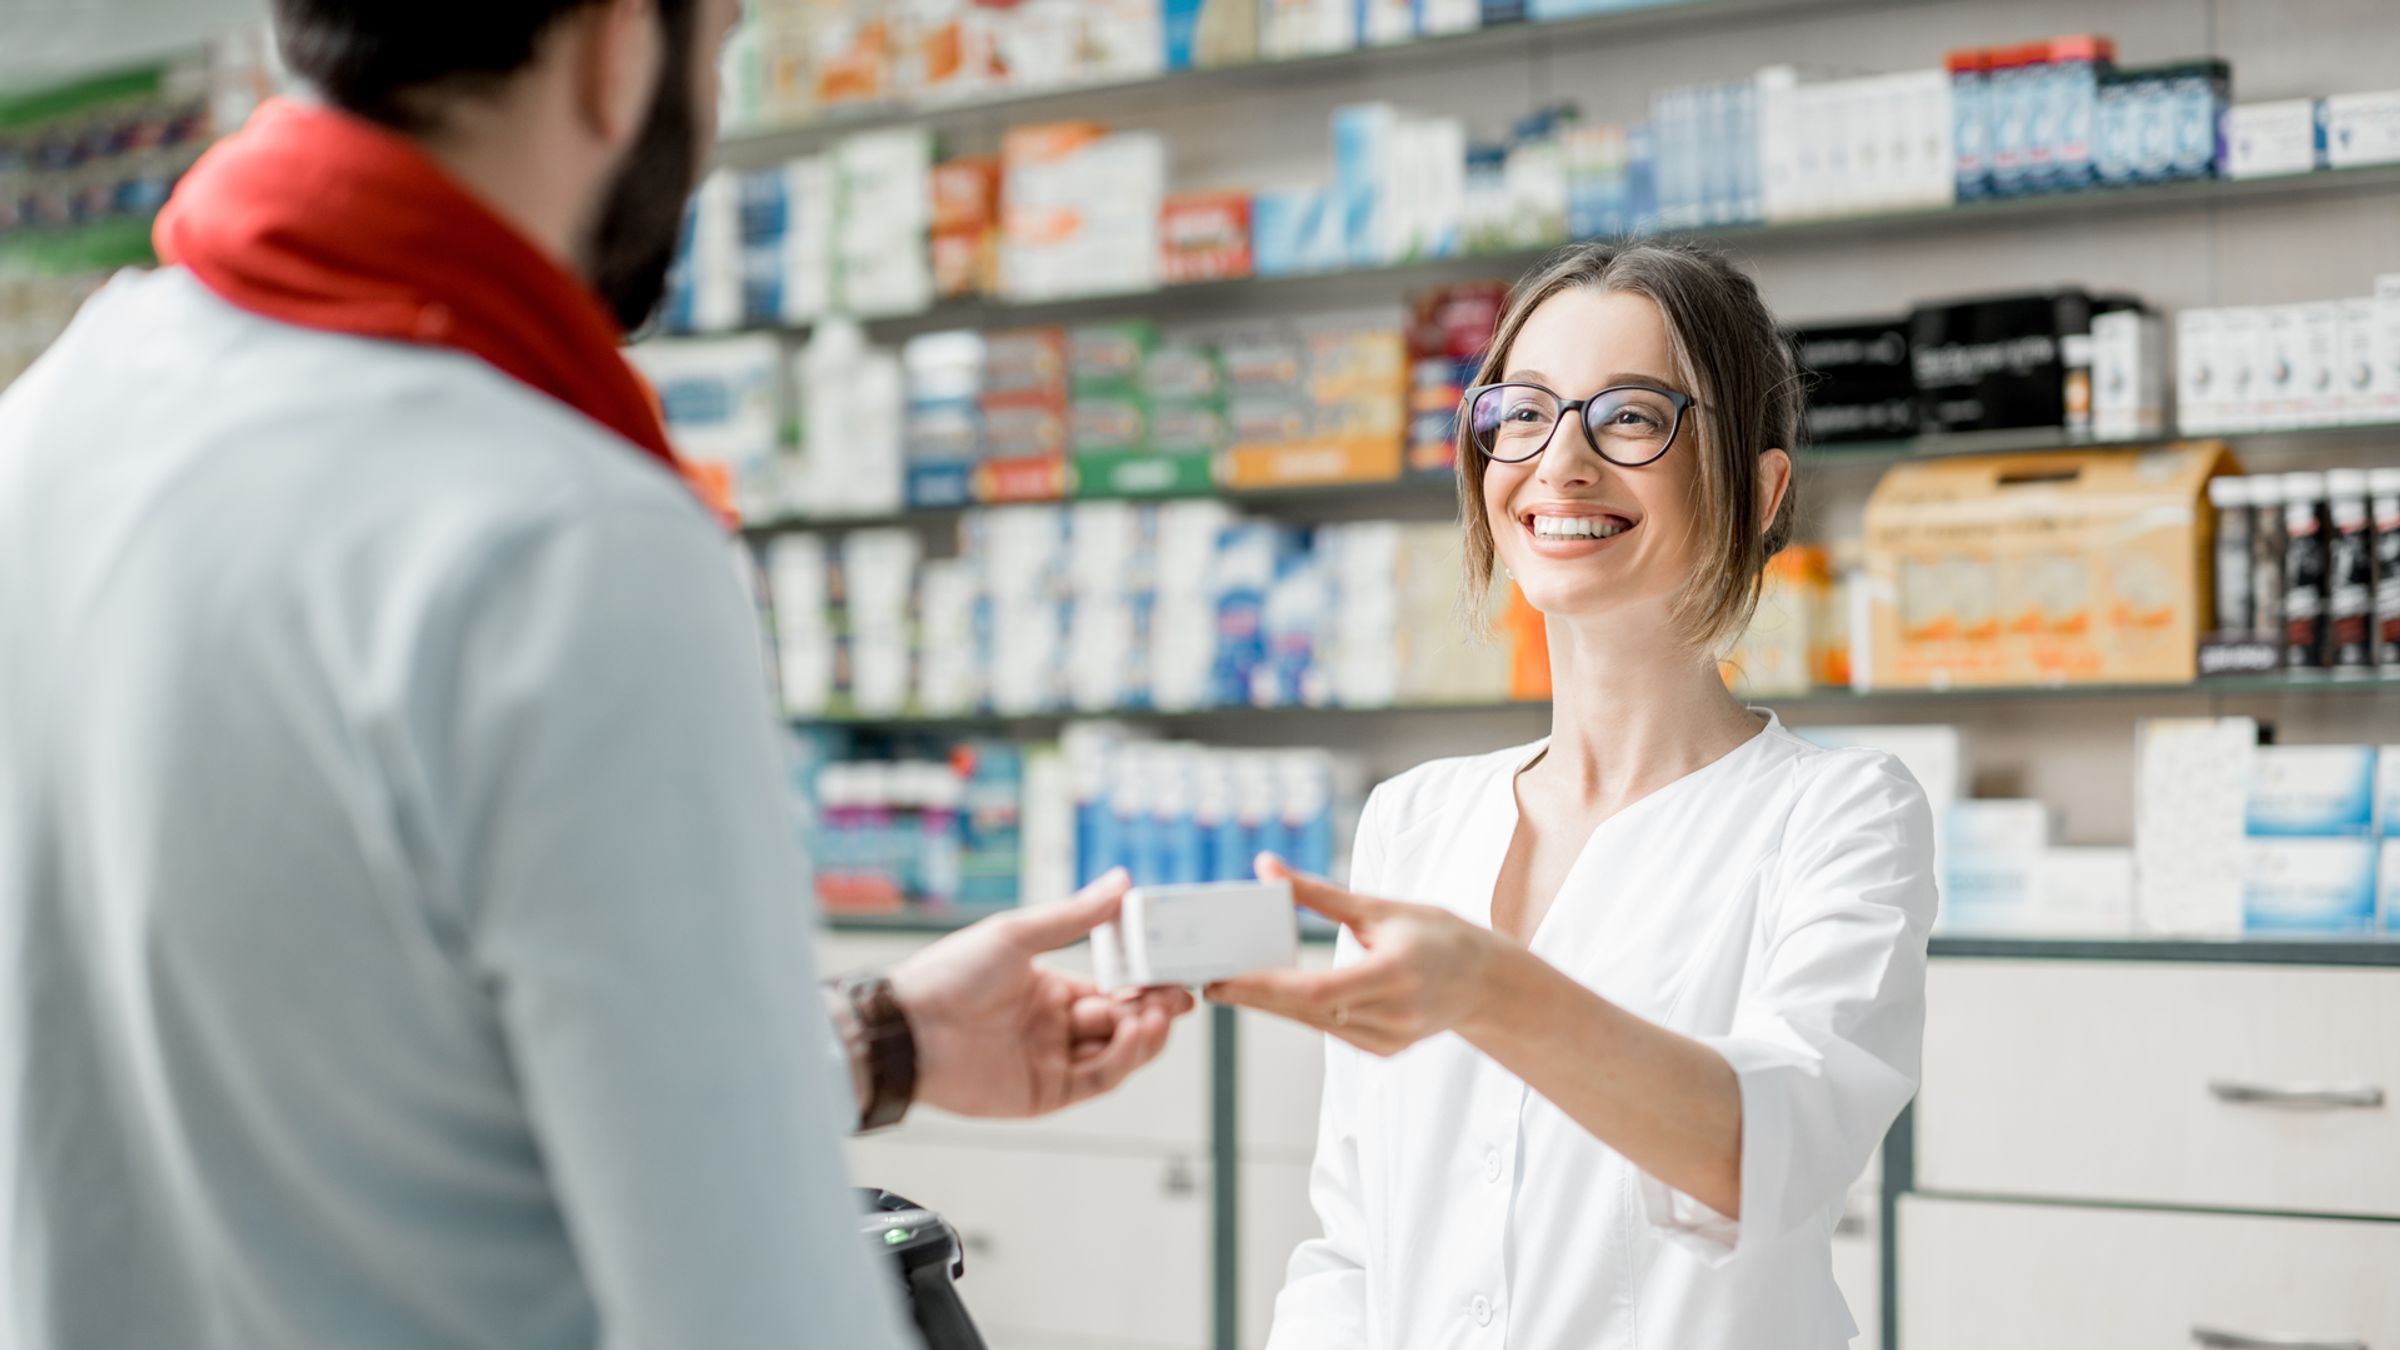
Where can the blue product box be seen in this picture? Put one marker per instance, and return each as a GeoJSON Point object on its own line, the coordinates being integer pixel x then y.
{"type": "Point", "coordinates": [2074, 103]}
{"type": "Point", "coordinates": [940, 485]}
{"type": "Point", "coordinates": [2113, 163]}
{"type": "Point", "coordinates": [1641, 180]}
{"type": "Point", "coordinates": [1362, 140]}
{"type": "Point", "coordinates": [2313, 886]}
{"type": "Point", "coordinates": [2011, 125]}
{"type": "Point", "coordinates": [2312, 791]}
{"type": "Point", "coordinates": [1971, 124]}
{"type": "Point", "coordinates": [2196, 96]}
{"type": "Point", "coordinates": [1295, 231]}
{"type": "Point", "coordinates": [1497, 12]}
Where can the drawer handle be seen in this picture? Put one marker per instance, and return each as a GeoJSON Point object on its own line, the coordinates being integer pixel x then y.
{"type": "Point", "coordinates": [2363, 1097]}
{"type": "Point", "coordinates": [2215, 1339]}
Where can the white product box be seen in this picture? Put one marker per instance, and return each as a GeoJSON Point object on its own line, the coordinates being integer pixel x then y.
{"type": "Point", "coordinates": [2361, 128]}
{"type": "Point", "coordinates": [2387, 348]}
{"type": "Point", "coordinates": [715, 257]}
{"type": "Point", "coordinates": [1192, 935]}
{"type": "Point", "coordinates": [2129, 375]}
{"type": "Point", "coordinates": [723, 399]}
{"type": "Point", "coordinates": [1383, 23]}
{"type": "Point", "coordinates": [2083, 892]}
{"type": "Point", "coordinates": [2241, 362]}
{"type": "Point", "coordinates": [1122, 39]}
{"type": "Point", "coordinates": [2265, 140]}
{"type": "Point", "coordinates": [2317, 394]}
{"type": "Point", "coordinates": [2007, 827]}
{"type": "Point", "coordinates": [1991, 852]}
{"type": "Point", "coordinates": [2309, 885]}
{"type": "Point", "coordinates": [2278, 366]}
{"type": "Point", "coordinates": [2311, 790]}
{"type": "Point", "coordinates": [1435, 17]}
{"type": "Point", "coordinates": [1932, 128]}
{"type": "Point", "coordinates": [2190, 777]}
{"type": "Point", "coordinates": [2199, 372]}
{"type": "Point", "coordinates": [2356, 361]}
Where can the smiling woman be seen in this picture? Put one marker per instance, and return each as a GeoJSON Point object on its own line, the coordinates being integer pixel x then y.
{"type": "Point", "coordinates": [1649, 990]}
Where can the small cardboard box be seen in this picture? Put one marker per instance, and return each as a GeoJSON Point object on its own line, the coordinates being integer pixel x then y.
{"type": "Point", "coordinates": [2083, 567]}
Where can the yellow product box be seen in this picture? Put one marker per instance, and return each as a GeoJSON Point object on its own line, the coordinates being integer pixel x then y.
{"type": "Point", "coordinates": [2055, 568]}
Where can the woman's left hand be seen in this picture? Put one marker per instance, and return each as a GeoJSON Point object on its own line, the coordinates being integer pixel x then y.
{"type": "Point", "coordinates": [1426, 970]}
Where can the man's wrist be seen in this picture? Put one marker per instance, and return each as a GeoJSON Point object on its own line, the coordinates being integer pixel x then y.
{"type": "Point", "coordinates": [853, 1042]}
{"type": "Point", "coordinates": [882, 1048]}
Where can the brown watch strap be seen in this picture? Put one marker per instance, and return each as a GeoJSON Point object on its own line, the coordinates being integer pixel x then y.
{"type": "Point", "coordinates": [890, 1049]}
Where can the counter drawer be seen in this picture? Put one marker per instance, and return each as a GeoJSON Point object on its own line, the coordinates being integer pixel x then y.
{"type": "Point", "coordinates": [2241, 1087]}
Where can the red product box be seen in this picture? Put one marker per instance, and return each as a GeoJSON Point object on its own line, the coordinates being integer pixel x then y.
{"type": "Point", "coordinates": [1204, 236]}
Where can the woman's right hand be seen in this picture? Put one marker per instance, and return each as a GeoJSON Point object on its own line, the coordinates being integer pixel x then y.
{"type": "Point", "coordinates": [1425, 970]}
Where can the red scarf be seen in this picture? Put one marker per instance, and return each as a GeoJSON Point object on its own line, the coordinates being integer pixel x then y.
{"type": "Point", "coordinates": [318, 219]}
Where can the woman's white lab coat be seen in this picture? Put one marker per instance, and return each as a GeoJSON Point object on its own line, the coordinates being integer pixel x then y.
{"type": "Point", "coordinates": [1774, 905]}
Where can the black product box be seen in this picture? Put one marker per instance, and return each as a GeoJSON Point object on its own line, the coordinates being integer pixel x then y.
{"type": "Point", "coordinates": [1997, 363]}
{"type": "Point", "coordinates": [1860, 386]}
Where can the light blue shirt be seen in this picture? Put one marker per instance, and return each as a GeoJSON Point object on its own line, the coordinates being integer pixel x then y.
{"type": "Point", "coordinates": [403, 940]}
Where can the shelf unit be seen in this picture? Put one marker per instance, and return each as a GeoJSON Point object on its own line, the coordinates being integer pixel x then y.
{"type": "Point", "coordinates": [1378, 285]}
{"type": "Point", "coordinates": [1643, 20]}
{"type": "Point", "coordinates": [1416, 495]}
{"type": "Point", "coordinates": [2244, 687]}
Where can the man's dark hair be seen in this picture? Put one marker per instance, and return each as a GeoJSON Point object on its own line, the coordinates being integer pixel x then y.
{"type": "Point", "coordinates": [394, 61]}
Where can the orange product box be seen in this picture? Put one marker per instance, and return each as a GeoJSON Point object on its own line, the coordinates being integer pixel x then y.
{"type": "Point", "coordinates": [1527, 634]}
{"type": "Point", "coordinates": [1204, 236]}
{"type": "Point", "coordinates": [1026, 478]}
{"type": "Point", "coordinates": [1311, 462]}
{"type": "Point", "coordinates": [2064, 567]}
{"type": "Point", "coordinates": [966, 193]}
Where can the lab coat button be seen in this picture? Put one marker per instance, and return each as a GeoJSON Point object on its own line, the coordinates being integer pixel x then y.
{"type": "Point", "coordinates": [1491, 1165]}
{"type": "Point", "coordinates": [1483, 1311]}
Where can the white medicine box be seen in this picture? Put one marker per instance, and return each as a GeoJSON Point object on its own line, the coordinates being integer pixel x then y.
{"type": "Point", "coordinates": [2199, 374]}
{"type": "Point", "coordinates": [2129, 375]}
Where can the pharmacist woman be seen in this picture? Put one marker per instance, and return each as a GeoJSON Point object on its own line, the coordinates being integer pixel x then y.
{"type": "Point", "coordinates": [1618, 1016]}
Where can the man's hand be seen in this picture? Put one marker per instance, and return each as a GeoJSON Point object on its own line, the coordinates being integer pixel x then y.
{"type": "Point", "coordinates": [998, 1035]}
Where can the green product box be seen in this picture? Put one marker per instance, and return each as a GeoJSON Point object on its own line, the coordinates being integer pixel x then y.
{"type": "Point", "coordinates": [1144, 473]}
{"type": "Point", "coordinates": [1109, 358]}
{"type": "Point", "coordinates": [1110, 422]}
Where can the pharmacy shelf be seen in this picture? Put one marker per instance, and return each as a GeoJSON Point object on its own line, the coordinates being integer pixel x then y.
{"type": "Point", "coordinates": [1097, 100]}
{"type": "Point", "coordinates": [2246, 687]}
{"type": "Point", "coordinates": [1383, 285]}
{"type": "Point", "coordinates": [2375, 950]}
{"type": "Point", "coordinates": [2381, 950]}
{"type": "Point", "coordinates": [1428, 496]}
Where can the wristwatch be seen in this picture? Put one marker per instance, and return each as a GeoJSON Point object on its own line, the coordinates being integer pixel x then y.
{"type": "Point", "coordinates": [882, 1043]}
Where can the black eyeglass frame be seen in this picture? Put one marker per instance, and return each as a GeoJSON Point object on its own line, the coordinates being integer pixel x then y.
{"type": "Point", "coordinates": [1681, 402]}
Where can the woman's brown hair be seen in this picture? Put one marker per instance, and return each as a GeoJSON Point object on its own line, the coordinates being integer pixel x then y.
{"type": "Point", "coordinates": [1729, 356]}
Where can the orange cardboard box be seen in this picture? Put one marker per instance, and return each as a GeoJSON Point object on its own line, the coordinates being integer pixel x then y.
{"type": "Point", "coordinates": [2055, 568]}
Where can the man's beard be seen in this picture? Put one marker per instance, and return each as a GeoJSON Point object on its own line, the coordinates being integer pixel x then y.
{"type": "Point", "coordinates": [641, 214]}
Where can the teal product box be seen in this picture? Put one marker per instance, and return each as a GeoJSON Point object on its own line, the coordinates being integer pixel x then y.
{"type": "Point", "coordinates": [2323, 887]}
{"type": "Point", "coordinates": [2387, 874]}
{"type": "Point", "coordinates": [2387, 791]}
{"type": "Point", "coordinates": [1296, 231]}
{"type": "Point", "coordinates": [2312, 792]}
{"type": "Point", "coordinates": [1362, 146]}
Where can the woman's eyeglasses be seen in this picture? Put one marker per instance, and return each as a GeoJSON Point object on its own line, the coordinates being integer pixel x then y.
{"type": "Point", "coordinates": [1629, 425]}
